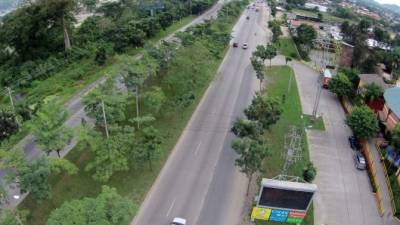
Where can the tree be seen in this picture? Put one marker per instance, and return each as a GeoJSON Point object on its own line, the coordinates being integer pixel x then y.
{"type": "Point", "coordinates": [135, 75]}
{"type": "Point", "coordinates": [275, 27]}
{"type": "Point", "coordinates": [251, 156]}
{"type": "Point", "coordinates": [296, 2]}
{"type": "Point", "coordinates": [48, 127]}
{"type": "Point", "coordinates": [149, 146]}
{"type": "Point", "coordinates": [247, 128]}
{"type": "Point", "coordinates": [266, 110]}
{"type": "Point", "coordinates": [306, 34]}
{"type": "Point", "coordinates": [110, 154]}
{"type": "Point", "coordinates": [154, 99]}
{"type": "Point", "coordinates": [108, 208]}
{"type": "Point", "coordinates": [396, 136]}
{"type": "Point", "coordinates": [101, 56]}
{"type": "Point", "coordinates": [115, 103]}
{"type": "Point", "coordinates": [34, 176]}
{"type": "Point", "coordinates": [362, 121]}
{"type": "Point", "coordinates": [340, 85]}
{"type": "Point", "coordinates": [270, 53]}
{"type": "Point", "coordinates": [372, 91]}
{"type": "Point", "coordinates": [258, 66]}
{"type": "Point", "coordinates": [320, 16]}
{"type": "Point", "coordinates": [8, 125]}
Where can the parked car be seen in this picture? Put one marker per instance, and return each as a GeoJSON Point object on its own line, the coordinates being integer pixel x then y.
{"type": "Point", "coordinates": [354, 144]}
{"type": "Point", "coordinates": [359, 161]}
{"type": "Point", "coordinates": [235, 44]}
{"type": "Point", "coordinates": [245, 46]}
{"type": "Point", "coordinates": [178, 221]}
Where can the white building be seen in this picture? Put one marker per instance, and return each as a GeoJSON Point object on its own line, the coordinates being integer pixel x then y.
{"type": "Point", "coordinates": [321, 8]}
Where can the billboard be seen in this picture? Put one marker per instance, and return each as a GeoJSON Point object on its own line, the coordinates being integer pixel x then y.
{"type": "Point", "coordinates": [283, 201]}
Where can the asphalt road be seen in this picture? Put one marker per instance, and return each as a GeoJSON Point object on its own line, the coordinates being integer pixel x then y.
{"type": "Point", "coordinates": [199, 181]}
{"type": "Point", "coordinates": [76, 111]}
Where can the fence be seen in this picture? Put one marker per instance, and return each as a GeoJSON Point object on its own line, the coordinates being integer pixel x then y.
{"type": "Point", "coordinates": [378, 147]}
{"type": "Point", "coordinates": [373, 176]}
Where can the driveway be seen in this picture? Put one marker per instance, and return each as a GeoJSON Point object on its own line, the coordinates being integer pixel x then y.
{"type": "Point", "coordinates": [344, 194]}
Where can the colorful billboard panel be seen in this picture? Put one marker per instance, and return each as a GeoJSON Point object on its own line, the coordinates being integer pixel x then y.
{"type": "Point", "coordinates": [294, 220]}
{"type": "Point", "coordinates": [288, 199]}
{"type": "Point", "coordinates": [279, 215]}
{"type": "Point", "coordinates": [260, 213]}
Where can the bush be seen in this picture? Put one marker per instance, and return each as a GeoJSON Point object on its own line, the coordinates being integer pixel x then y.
{"type": "Point", "coordinates": [309, 172]}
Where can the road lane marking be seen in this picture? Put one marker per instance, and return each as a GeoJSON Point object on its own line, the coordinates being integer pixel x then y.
{"type": "Point", "coordinates": [197, 149]}
{"type": "Point", "coordinates": [170, 208]}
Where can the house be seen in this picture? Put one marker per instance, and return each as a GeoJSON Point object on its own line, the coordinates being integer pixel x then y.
{"type": "Point", "coordinates": [390, 114]}
{"type": "Point", "coordinates": [372, 43]}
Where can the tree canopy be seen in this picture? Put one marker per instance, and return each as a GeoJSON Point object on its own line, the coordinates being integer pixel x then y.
{"type": "Point", "coordinates": [108, 208]}
{"type": "Point", "coordinates": [363, 122]}
{"type": "Point", "coordinates": [266, 110]}
{"type": "Point", "coordinates": [340, 85]}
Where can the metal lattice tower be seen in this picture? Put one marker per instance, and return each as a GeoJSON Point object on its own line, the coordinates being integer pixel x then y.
{"type": "Point", "coordinates": [293, 147]}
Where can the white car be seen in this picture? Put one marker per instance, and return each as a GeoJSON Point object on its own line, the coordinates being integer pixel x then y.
{"type": "Point", "coordinates": [178, 221]}
{"type": "Point", "coordinates": [245, 46]}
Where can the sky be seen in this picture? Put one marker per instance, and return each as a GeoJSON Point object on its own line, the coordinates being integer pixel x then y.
{"type": "Point", "coordinates": [397, 2]}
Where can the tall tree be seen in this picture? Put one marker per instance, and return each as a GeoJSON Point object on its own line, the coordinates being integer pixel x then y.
{"type": "Point", "coordinates": [340, 85]}
{"type": "Point", "coordinates": [115, 103]}
{"type": "Point", "coordinates": [8, 124]}
{"type": "Point", "coordinates": [34, 176]}
{"type": "Point", "coordinates": [108, 208]}
{"type": "Point", "coordinates": [247, 128]}
{"type": "Point", "coordinates": [251, 156]}
{"type": "Point", "coordinates": [49, 130]}
{"type": "Point", "coordinates": [110, 154]}
{"type": "Point", "coordinates": [258, 67]}
{"type": "Point", "coordinates": [136, 74]}
{"type": "Point", "coordinates": [154, 99]}
{"type": "Point", "coordinates": [270, 53]}
{"type": "Point", "coordinates": [266, 110]}
{"type": "Point", "coordinates": [150, 145]}
{"type": "Point", "coordinates": [306, 34]}
{"type": "Point", "coordinates": [362, 121]}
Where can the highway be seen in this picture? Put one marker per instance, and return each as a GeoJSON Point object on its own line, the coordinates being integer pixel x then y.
{"type": "Point", "coordinates": [199, 181]}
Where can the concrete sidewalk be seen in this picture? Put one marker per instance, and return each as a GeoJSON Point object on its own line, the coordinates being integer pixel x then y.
{"type": "Point", "coordinates": [387, 217]}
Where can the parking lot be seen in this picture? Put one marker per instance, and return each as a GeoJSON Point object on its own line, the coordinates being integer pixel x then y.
{"type": "Point", "coordinates": [344, 194]}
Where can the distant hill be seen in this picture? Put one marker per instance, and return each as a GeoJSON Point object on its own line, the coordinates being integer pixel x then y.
{"type": "Point", "coordinates": [392, 7]}
{"type": "Point", "coordinates": [7, 6]}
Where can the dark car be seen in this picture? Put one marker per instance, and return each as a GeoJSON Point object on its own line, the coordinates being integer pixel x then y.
{"type": "Point", "coordinates": [235, 44]}
{"type": "Point", "coordinates": [247, 17]}
{"type": "Point", "coordinates": [354, 144]}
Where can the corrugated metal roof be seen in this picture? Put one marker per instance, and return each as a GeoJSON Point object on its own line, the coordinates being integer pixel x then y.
{"type": "Point", "coordinates": [392, 98]}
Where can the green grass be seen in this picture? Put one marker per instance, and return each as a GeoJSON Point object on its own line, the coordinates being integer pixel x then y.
{"type": "Point", "coordinates": [135, 183]}
{"type": "Point", "coordinates": [395, 190]}
{"type": "Point", "coordinates": [311, 123]}
{"type": "Point", "coordinates": [287, 47]}
{"type": "Point", "coordinates": [277, 85]}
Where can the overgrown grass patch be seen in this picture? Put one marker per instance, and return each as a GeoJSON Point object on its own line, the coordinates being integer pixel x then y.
{"type": "Point", "coordinates": [277, 82]}
{"type": "Point", "coordinates": [314, 123]}
{"type": "Point", "coordinates": [287, 47]}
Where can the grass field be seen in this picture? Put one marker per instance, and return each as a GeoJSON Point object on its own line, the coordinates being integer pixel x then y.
{"type": "Point", "coordinates": [277, 85]}
{"type": "Point", "coordinates": [287, 47]}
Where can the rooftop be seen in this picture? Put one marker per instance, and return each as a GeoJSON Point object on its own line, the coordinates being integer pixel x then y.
{"type": "Point", "coordinates": [392, 98]}
{"type": "Point", "coordinates": [374, 78]}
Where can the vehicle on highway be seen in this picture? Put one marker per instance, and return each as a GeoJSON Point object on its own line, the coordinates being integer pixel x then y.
{"type": "Point", "coordinates": [257, 10]}
{"type": "Point", "coordinates": [245, 46]}
{"type": "Point", "coordinates": [359, 161]}
{"type": "Point", "coordinates": [178, 221]}
{"type": "Point", "coordinates": [247, 17]}
{"type": "Point", "coordinates": [354, 144]}
{"type": "Point", "coordinates": [235, 44]}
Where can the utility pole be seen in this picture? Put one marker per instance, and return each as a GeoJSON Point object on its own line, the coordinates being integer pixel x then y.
{"type": "Point", "coordinates": [137, 106]}
{"type": "Point", "coordinates": [104, 118]}
{"type": "Point", "coordinates": [12, 103]}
